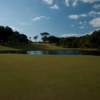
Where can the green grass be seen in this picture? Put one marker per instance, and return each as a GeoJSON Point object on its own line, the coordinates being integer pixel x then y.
{"type": "Point", "coordinates": [49, 77]}
{"type": "Point", "coordinates": [30, 46]}
{"type": "Point", "coordinates": [37, 46]}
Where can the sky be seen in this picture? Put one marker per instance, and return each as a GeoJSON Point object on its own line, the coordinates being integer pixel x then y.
{"type": "Point", "coordinates": [61, 18]}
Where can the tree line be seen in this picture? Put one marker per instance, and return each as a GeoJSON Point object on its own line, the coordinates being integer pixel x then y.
{"type": "Point", "coordinates": [8, 36]}
{"type": "Point", "coordinates": [86, 41]}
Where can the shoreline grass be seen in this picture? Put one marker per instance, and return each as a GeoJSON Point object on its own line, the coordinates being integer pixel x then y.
{"type": "Point", "coordinates": [39, 46]}
{"type": "Point", "coordinates": [49, 77]}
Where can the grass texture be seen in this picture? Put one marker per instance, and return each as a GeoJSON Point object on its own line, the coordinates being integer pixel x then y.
{"type": "Point", "coordinates": [49, 77]}
{"type": "Point", "coordinates": [30, 46]}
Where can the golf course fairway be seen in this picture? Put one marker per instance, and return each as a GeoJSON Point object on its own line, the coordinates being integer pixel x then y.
{"type": "Point", "coordinates": [49, 77]}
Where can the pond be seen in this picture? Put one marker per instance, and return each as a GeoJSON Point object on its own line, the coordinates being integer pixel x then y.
{"type": "Point", "coordinates": [53, 52]}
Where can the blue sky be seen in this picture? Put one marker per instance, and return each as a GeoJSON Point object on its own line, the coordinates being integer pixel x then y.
{"type": "Point", "coordinates": [57, 17]}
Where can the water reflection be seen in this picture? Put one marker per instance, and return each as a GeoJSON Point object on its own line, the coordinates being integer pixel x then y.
{"type": "Point", "coordinates": [53, 52]}
{"type": "Point", "coordinates": [56, 52]}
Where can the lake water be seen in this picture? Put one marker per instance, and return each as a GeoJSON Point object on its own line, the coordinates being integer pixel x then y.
{"type": "Point", "coordinates": [53, 52]}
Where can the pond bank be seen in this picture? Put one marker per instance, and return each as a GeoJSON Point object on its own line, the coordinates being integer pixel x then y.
{"type": "Point", "coordinates": [51, 52]}
{"type": "Point", "coordinates": [40, 46]}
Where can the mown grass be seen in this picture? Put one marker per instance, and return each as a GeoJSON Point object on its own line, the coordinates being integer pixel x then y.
{"type": "Point", "coordinates": [49, 77]}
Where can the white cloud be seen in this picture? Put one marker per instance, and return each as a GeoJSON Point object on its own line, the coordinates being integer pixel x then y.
{"type": "Point", "coordinates": [40, 17]}
{"type": "Point", "coordinates": [67, 2]}
{"type": "Point", "coordinates": [75, 3]}
{"type": "Point", "coordinates": [96, 6]}
{"type": "Point", "coordinates": [73, 16]}
{"type": "Point", "coordinates": [54, 7]}
{"type": "Point", "coordinates": [81, 27]}
{"type": "Point", "coordinates": [71, 35]}
{"type": "Point", "coordinates": [89, 1]}
{"type": "Point", "coordinates": [82, 15]}
{"type": "Point", "coordinates": [48, 1]}
{"type": "Point", "coordinates": [95, 22]}
{"type": "Point", "coordinates": [83, 23]}
{"type": "Point", "coordinates": [77, 16]}
{"type": "Point", "coordinates": [72, 25]}
{"type": "Point", "coordinates": [80, 23]}
{"type": "Point", "coordinates": [25, 24]}
{"type": "Point", "coordinates": [14, 28]}
{"type": "Point", "coordinates": [89, 33]}
{"type": "Point", "coordinates": [93, 13]}
{"type": "Point", "coordinates": [77, 35]}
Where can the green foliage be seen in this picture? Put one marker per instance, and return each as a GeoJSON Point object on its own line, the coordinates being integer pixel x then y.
{"type": "Point", "coordinates": [53, 39]}
{"type": "Point", "coordinates": [8, 36]}
{"type": "Point", "coordinates": [95, 39]}
{"type": "Point", "coordinates": [44, 36]}
{"type": "Point", "coordinates": [87, 41]}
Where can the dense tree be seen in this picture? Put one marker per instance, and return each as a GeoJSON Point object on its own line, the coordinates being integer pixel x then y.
{"type": "Point", "coordinates": [75, 42]}
{"type": "Point", "coordinates": [86, 41]}
{"type": "Point", "coordinates": [2, 34]}
{"type": "Point", "coordinates": [95, 39]}
{"type": "Point", "coordinates": [23, 38]}
{"type": "Point", "coordinates": [68, 42]}
{"type": "Point", "coordinates": [8, 36]}
{"type": "Point", "coordinates": [44, 36]}
{"type": "Point", "coordinates": [53, 39]}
